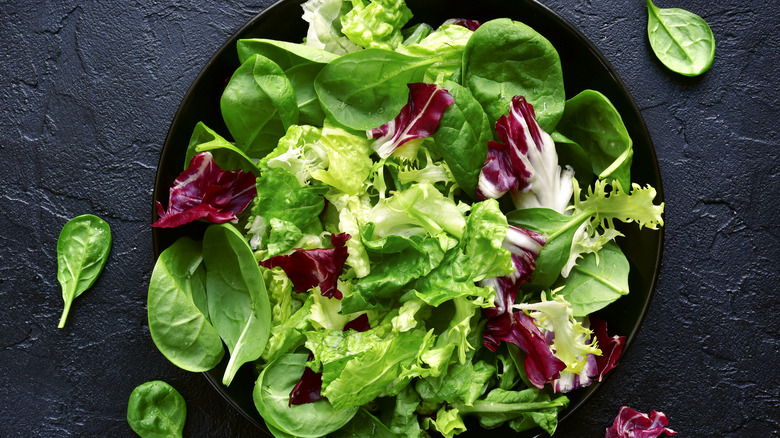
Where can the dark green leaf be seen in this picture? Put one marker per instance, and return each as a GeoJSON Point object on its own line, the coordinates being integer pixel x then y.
{"type": "Point", "coordinates": [463, 136]}
{"type": "Point", "coordinates": [362, 425]}
{"type": "Point", "coordinates": [82, 251]}
{"type": "Point", "coordinates": [238, 302]}
{"type": "Point", "coordinates": [559, 229]}
{"type": "Point", "coordinates": [504, 59]}
{"type": "Point", "coordinates": [258, 105]}
{"type": "Point", "coordinates": [591, 121]}
{"type": "Point", "coordinates": [592, 286]}
{"type": "Point", "coordinates": [226, 155]}
{"type": "Point", "coordinates": [272, 396]}
{"type": "Point", "coordinates": [156, 410]}
{"type": "Point", "coordinates": [365, 89]}
{"type": "Point", "coordinates": [178, 309]}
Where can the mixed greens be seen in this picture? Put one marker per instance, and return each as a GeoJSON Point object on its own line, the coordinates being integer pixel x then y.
{"type": "Point", "coordinates": [411, 226]}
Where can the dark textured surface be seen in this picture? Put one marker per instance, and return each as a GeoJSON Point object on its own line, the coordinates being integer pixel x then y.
{"type": "Point", "coordinates": [88, 90]}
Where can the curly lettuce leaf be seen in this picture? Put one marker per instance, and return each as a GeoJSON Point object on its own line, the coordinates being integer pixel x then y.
{"type": "Point", "coordinates": [348, 162]}
{"type": "Point", "coordinates": [324, 18]}
{"type": "Point", "coordinates": [376, 23]}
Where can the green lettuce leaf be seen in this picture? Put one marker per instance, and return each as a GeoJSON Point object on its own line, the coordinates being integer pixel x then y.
{"type": "Point", "coordinates": [348, 160]}
{"type": "Point", "coordinates": [376, 23]}
{"type": "Point", "coordinates": [527, 407]}
{"type": "Point", "coordinates": [281, 196]}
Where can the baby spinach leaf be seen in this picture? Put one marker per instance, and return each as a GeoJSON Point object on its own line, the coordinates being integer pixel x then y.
{"type": "Point", "coordinates": [238, 302]}
{"type": "Point", "coordinates": [572, 154]}
{"type": "Point", "coordinates": [594, 124]}
{"type": "Point", "coordinates": [226, 155]}
{"type": "Point", "coordinates": [301, 64]}
{"type": "Point", "coordinates": [82, 251]}
{"type": "Point", "coordinates": [462, 138]}
{"type": "Point", "coordinates": [559, 229]}
{"type": "Point", "coordinates": [156, 410]}
{"type": "Point", "coordinates": [258, 105]}
{"type": "Point", "coordinates": [365, 89]}
{"type": "Point", "coordinates": [597, 280]}
{"type": "Point", "coordinates": [283, 53]}
{"type": "Point", "coordinates": [272, 396]}
{"type": "Point", "coordinates": [178, 309]}
{"type": "Point", "coordinates": [504, 59]}
{"type": "Point", "coordinates": [682, 40]}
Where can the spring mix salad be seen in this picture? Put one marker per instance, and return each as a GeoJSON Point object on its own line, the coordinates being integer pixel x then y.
{"type": "Point", "coordinates": [410, 226]}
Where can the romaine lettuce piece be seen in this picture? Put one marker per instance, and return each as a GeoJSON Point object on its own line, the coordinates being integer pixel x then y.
{"type": "Point", "coordinates": [324, 18]}
{"type": "Point", "coordinates": [376, 23]}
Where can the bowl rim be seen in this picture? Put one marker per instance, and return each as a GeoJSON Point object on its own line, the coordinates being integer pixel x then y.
{"type": "Point", "coordinates": [586, 393]}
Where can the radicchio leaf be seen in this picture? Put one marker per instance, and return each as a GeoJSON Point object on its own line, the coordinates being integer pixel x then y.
{"type": "Point", "coordinates": [525, 163]}
{"type": "Point", "coordinates": [468, 24]}
{"type": "Point", "coordinates": [309, 388]}
{"type": "Point", "coordinates": [632, 424]}
{"type": "Point", "coordinates": [204, 191]}
{"type": "Point", "coordinates": [308, 268]}
{"type": "Point", "coordinates": [419, 118]}
{"type": "Point", "coordinates": [610, 347]}
{"type": "Point", "coordinates": [525, 246]}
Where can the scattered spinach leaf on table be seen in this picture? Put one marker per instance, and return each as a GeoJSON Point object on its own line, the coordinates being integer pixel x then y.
{"type": "Point", "coordinates": [178, 309]}
{"type": "Point", "coordinates": [82, 251]}
{"type": "Point", "coordinates": [680, 39]}
{"type": "Point", "coordinates": [156, 410]}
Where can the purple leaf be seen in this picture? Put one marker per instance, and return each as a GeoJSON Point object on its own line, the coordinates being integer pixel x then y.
{"type": "Point", "coordinates": [610, 347]}
{"type": "Point", "coordinates": [419, 118]}
{"type": "Point", "coordinates": [525, 246]}
{"type": "Point", "coordinates": [524, 163]}
{"type": "Point", "coordinates": [308, 268]}
{"type": "Point", "coordinates": [308, 389]}
{"type": "Point", "coordinates": [204, 191]}
{"type": "Point", "coordinates": [632, 424]}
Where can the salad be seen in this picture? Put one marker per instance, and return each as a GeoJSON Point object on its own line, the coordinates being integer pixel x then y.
{"type": "Point", "coordinates": [410, 226]}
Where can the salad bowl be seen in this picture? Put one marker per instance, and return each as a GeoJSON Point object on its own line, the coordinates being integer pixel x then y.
{"type": "Point", "coordinates": [584, 67]}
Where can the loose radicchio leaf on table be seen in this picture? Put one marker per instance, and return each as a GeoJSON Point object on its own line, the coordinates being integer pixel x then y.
{"type": "Point", "coordinates": [204, 191]}
{"type": "Point", "coordinates": [309, 388]}
{"type": "Point", "coordinates": [419, 118]}
{"type": "Point", "coordinates": [525, 163]}
{"type": "Point", "coordinates": [632, 424]}
{"type": "Point", "coordinates": [610, 347]}
{"type": "Point", "coordinates": [308, 268]}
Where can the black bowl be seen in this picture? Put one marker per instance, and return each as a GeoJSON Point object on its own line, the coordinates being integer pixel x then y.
{"type": "Point", "coordinates": [584, 67]}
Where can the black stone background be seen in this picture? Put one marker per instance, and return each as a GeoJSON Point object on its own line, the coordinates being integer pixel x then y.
{"type": "Point", "coordinates": [89, 88]}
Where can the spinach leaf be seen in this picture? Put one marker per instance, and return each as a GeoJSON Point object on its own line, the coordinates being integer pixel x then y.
{"type": "Point", "coordinates": [596, 280]}
{"type": "Point", "coordinates": [82, 251]}
{"type": "Point", "coordinates": [504, 59]}
{"type": "Point", "coordinates": [156, 410]}
{"type": "Point", "coordinates": [363, 424]}
{"type": "Point", "coordinates": [238, 302]}
{"type": "Point", "coordinates": [178, 309]}
{"type": "Point", "coordinates": [462, 138]}
{"type": "Point", "coordinates": [592, 122]}
{"type": "Point", "coordinates": [682, 40]}
{"type": "Point", "coordinates": [226, 155]}
{"type": "Point", "coordinates": [272, 396]}
{"type": "Point", "coordinates": [283, 53]}
{"type": "Point", "coordinates": [559, 229]}
{"type": "Point", "coordinates": [258, 105]}
{"type": "Point", "coordinates": [366, 89]}
{"type": "Point", "coordinates": [572, 154]}
{"type": "Point", "coordinates": [301, 64]}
